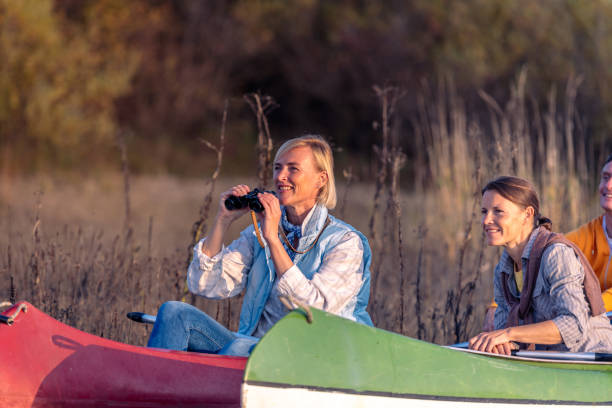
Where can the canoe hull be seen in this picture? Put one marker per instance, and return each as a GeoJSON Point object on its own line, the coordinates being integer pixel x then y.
{"type": "Point", "coordinates": [336, 358]}
{"type": "Point", "coordinates": [47, 363]}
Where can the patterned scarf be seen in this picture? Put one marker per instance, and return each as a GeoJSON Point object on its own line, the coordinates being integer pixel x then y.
{"type": "Point", "coordinates": [293, 233]}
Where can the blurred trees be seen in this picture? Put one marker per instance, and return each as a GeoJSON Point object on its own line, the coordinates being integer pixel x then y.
{"type": "Point", "coordinates": [485, 44]}
{"type": "Point", "coordinates": [73, 72]}
{"type": "Point", "coordinates": [59, 81]}
{"type": "Point", "coordinates": [490, 87]}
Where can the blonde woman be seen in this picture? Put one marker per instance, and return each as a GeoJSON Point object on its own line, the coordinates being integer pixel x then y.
{"type": "Point", "coordinates": [302, 252]}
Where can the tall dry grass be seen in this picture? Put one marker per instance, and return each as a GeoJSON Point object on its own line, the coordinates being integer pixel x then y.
{"type": "Point", "coordinates": [63, 245]}
{"type": "Point", "coordinates": [450, 281]}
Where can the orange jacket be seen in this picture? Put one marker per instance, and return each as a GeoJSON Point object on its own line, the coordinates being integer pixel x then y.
{"type": "Point", "coordinates": [591, 240]}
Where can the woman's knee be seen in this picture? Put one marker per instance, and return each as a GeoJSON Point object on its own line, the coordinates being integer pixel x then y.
{"type": "Point", "coordinates": [170, 310]}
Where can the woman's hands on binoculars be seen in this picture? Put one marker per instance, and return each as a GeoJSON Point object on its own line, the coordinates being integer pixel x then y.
{"type": "Point", "coordinates": [230, 216]}
{"type": "Point", "coordinates": [269, 218]}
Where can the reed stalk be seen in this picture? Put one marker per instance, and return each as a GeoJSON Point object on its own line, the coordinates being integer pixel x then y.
{"type": "Point", "coordinates": [262, 105]}
{"type": "Point", "coordinates": [89, 280]}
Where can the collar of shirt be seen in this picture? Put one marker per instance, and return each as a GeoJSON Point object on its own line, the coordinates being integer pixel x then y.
{"type": "Point", "coordinates": [507, 263]}
{"type": "Point", "coordinates": [310, 229]}
{"type": "Point", "coordinates": [527, 249]}
{"type": "Point", "coordinates": [288, 226]}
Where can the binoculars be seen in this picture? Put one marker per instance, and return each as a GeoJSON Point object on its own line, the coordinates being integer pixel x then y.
{"type": "Point", "coordinates": [249, 200]}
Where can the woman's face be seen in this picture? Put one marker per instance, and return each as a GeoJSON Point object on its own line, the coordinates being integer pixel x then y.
{"type": "Point", "coordinates": [297, 178]}
{"type": "Point", "coordinates": [605, 188]}
{"type": "Point", "coordinates": [504, 222]}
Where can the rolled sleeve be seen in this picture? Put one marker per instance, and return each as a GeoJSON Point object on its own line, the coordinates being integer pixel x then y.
{"type": "Point", "coordinates": [292, 281]}
{"type": "Point", "coordinates": [223, 275]}
{"type": "Point", "coordinates": [568, 330]}
{"type": "Point", "coordinates": [565, 276]}
{"type": "Point", "coordinates": [337, 281]}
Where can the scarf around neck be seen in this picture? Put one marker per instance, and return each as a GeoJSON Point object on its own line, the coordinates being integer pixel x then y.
{"type": "Point", "coordinates": [292, 232]}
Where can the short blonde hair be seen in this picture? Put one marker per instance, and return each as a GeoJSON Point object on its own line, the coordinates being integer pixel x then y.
{"type": "Point", "coordinates": [324, 160]}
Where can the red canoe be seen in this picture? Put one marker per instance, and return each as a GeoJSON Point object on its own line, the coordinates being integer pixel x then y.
{"type": "Point", "coordinates": [46, 363]}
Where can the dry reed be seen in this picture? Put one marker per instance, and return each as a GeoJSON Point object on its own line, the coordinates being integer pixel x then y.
{"type": "Point", "coordinates": [89, 280]}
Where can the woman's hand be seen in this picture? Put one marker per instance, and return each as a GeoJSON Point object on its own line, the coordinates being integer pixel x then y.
{"type": "Point", "coordinates": [229, 216]}
{"type": "Point", "coordinates": [225, 217]}
{"type": "Point", "coordinates": [270, 218]}
{"type": "Point", "coordinates": [497, 341]}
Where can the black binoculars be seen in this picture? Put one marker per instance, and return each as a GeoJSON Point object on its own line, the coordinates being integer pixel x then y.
{"type": "Point", "coordinates": [249, 200]}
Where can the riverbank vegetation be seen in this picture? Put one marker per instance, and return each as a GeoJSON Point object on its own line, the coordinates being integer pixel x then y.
{"type": "Point", "coordinates": [121, 122]}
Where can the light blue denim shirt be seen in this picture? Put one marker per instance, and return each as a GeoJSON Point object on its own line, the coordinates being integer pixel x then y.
{"type": "Point", "coordinates": [558, 296]}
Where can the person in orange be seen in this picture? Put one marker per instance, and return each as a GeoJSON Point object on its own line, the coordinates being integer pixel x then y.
{"type": "Point", "coordinates": [594, 239]}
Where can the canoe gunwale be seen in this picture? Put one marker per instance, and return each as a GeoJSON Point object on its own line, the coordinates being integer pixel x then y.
{"type": "Point", "coordinates": [534, 359]}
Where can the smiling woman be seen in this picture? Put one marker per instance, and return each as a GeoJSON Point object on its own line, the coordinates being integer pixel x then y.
{"type": "Point", "coordinates": [299, 181]}
{"type": "Point", "coordinates": [605, 186]}
{"type": "Point", "coordinates": [546, 291]}
{"type": "Point", "coordinates": [306, 254]}
{"type": "Point", "coordinates": [595, 237]}
{"type": "Point", "coordinates": [505, 223]}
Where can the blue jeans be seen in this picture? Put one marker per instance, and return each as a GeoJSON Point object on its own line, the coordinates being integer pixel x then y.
{"type": "Point", "coordinates": [180, 326]}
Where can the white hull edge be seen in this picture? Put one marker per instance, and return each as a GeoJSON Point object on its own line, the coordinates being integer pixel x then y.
{"type": "Point", "coordinates": [256, 396]}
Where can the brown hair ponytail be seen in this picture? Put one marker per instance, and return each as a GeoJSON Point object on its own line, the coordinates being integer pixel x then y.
{"type": "Point", "coordinates": [544, 222]}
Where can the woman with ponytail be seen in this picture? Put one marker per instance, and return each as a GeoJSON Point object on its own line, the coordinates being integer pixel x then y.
{"type": "Point", "coordinates": [545, 289]}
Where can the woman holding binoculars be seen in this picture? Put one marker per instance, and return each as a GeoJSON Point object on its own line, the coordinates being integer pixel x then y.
{"type": "Point", "coordinates": [301, 253]}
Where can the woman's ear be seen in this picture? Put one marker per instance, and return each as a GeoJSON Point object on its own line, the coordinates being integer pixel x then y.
{"type": "Point", "coordinates": [323, 178]}
{"type": "Point", "coordinates": [529, 212]}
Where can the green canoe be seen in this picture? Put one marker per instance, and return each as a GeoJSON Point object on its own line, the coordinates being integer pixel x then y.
{"type": "Point", "coordinates": [334, 362]}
